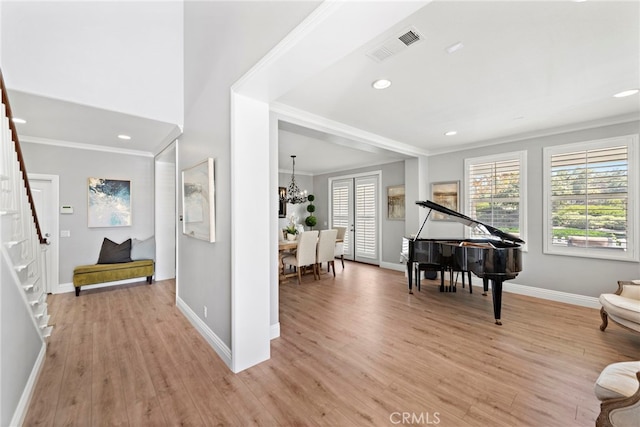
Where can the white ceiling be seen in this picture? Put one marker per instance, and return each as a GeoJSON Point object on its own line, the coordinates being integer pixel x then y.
{"type": "Point", "coordinates": [55, 121]}
{"type": "Point", "coordinates": [525, 67]}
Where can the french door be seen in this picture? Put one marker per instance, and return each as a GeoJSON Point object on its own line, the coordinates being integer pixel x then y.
{"type": "Point", "coordinates": [355, 205]}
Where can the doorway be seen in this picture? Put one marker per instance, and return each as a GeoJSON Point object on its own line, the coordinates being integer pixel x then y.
{"type": "Point", "coordinates": [165, 212]}
{"type": "Point", "coordinates": [355, 204]}
{"type": "Point", "coordinates": [45, 190]}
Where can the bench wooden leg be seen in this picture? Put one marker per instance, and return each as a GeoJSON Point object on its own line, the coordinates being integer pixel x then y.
{"type": "Point", "coordinates": [77, 291]}
{"type": "Point", "coordinates": [149, 279]}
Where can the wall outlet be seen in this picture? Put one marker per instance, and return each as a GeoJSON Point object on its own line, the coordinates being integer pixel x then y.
{"type": "Point", "coordinates": [205, 311]}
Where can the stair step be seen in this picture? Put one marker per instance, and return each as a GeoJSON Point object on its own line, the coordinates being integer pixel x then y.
{"type": "Point", "coordinates": [46, 332]}
{"type": "Point", "coordinates": [33, 299]}
{"type": "Point", "coordinates": [30, 283]}
{"type": "Point", "coordinates": [40, 311]}
{"type": "Point", "coordinates": [44, 321]}
{"type": "Point", "coordinates": [13, 243]}
{"type": "Point", "coordinates": [20, 267]}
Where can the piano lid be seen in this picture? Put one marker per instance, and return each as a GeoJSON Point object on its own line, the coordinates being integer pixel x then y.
{"type": "Point", "coordinates": [469, 222]}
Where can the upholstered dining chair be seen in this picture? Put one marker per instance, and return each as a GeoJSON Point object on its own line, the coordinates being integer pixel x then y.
{"type": "Point", "coordinates": [326, 250]}
{"type": "Point", "coordinates": [339, 247]}
{"type": "Point", "coordinates": [305, 253]}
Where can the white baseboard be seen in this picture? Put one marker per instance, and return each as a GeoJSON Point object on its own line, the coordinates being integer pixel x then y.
{"type": "Point", "coordinates": [214, 341]}
{"type": "Point", "coordinates": [548, 294]}
{"type": "Point", "coordinates": [68, 287]}
{"type": "Point", "coordinates": [514, 288]}
{"type": "Point", "coordinates": [275, 330]}
{"type": "Point", "coordinates": [27, 393]}
{"type": "Point", "coordinates": [394, 266]}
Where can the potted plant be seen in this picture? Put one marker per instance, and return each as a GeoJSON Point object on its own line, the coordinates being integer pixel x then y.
{"type": "Point", "coordinates": [311, 220]}
{"type": "Point", "coordinates": [291, 230]}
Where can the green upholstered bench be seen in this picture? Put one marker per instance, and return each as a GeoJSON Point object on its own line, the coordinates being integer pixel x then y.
{"type": "Point", "coordinates": [100, 273]}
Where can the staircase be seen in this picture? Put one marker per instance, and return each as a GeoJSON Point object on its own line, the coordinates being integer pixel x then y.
{"type": "Point", "coordinates": [21, 242]}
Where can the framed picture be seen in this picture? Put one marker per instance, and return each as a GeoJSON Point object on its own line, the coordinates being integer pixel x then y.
{"type": "Point", "coordinates": [395, 202]}
{"type": "Point", "coordinates": [198, 201]}
{"type": "Point", "coordinates": [109, 203]}
{"type": "Point", "coordinates": [447, 195]}
{"type": "Point", "coordinates": [282, 203]}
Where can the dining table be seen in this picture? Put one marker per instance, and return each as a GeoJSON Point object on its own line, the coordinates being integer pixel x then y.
{"type": "Point", "coordinates": [288, 245]}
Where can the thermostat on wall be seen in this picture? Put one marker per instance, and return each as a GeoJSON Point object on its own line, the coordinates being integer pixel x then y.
{"type": "Point", "coordinates": [66, 209]}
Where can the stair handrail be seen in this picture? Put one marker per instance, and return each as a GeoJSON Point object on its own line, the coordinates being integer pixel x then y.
{"type": "Point", "coordinates": [23, 168]}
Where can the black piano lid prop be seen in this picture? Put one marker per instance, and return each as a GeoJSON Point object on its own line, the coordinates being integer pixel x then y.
{"type": "Point", "coordinates": [465, 220]}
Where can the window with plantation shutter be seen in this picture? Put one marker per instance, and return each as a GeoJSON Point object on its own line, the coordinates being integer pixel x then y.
{"type": "Point", "coordinates": [591, 193]}
{"type": "Point", "coordinates": [340, 215]}
{"type": "Point", "coordinates": [494, 195]}
{"type": "Point", "coordinates": [366, 217]}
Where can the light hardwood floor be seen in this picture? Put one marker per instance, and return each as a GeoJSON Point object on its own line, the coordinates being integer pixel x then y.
{"type": "Point", "coordinates": [354, 350]}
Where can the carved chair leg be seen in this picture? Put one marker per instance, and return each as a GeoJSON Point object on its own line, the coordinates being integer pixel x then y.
{"type": "Point", "coordinates": [605, 319]}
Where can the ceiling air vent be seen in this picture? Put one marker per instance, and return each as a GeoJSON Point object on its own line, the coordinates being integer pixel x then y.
{"type": "Point", "coordinates": [394, 45]}
{"type": "Point", "coordinates": [409, 37]}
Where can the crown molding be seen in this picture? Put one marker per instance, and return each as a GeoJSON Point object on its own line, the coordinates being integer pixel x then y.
{"type": "Point", "coordinates": [80, 146]}
{"type": "Point", "coordinates": [294, 115]}
{"type": "Point", "coordinates": [574, 127]}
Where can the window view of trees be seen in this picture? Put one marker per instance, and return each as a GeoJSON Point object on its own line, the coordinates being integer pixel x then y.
{"type": "Point", "coordinates": [589, 198]}
{"type": "Point", "coordinates": [494, 194]}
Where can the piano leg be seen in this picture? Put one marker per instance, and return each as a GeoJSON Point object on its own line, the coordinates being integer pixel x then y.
{"type": "Point", "coordinates": [410, 275]}
{"type": "Point", "coordinates": [485, 286]}
{"type": "Point", "coordinates": [496, 291]}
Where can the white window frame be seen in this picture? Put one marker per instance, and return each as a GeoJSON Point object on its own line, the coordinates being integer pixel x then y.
{"type": "Point", "coordinates": [633, 203]}
{"type": "Point", "coordinates": [521, 156]}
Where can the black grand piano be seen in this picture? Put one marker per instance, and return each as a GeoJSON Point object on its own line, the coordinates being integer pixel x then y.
{"type": "Point", "coordinates": [494, 259]}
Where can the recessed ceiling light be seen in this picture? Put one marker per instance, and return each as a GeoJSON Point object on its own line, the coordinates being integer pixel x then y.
{"type": "Point", "coordinates": [626, 93]}
{"type": "Point", "coordinates": [19, 120]}
{"type": "Point", "coordinates": [127, 137]}
{"type": "Point", "coordinates": [455, 47]}
{"type": "Point", "coordinates": [450, 133]}
{"type": "Point", "coordinates": [381, 84]}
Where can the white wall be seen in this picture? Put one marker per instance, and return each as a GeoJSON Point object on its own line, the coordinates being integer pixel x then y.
{"type": "Point", "coordinates": [74, 167]}
{"type": "Point", "coordinates": [582, 276]}
{"type": "Point", "coordinates": [123, 56]}
{"type": "Point", "coordinates": [222, 41]}
{"type": "Point", "coordinates": [20, 341]}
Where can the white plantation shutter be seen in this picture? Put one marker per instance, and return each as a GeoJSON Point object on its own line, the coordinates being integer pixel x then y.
{"type": "Point", "coordinates": [588, 199]}
{"type": "Point", "coordinates": [340, 209]}
{"type": "Point", "coordinates": [494, 192]}
{"type": "Point", "coordinates": [366, 193]}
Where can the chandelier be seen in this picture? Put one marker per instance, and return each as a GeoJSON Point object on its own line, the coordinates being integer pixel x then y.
{"type": "Point", "coordinates": [294, 194]}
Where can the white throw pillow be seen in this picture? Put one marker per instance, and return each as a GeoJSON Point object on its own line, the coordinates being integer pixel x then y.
{"type": "Point", "coordinates": [143, 249]}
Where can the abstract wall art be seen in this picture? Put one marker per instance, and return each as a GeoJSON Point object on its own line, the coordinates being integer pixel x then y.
{"type": "Point", "coordinates": [109, 202]}
{"type": "Point", "coordinates": [198, 203]}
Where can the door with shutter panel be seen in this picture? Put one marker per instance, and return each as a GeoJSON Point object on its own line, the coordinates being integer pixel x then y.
{"type": "Point", "coordinates": [355, 205]}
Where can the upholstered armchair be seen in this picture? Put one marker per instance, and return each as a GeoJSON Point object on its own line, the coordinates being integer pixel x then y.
{"type": "Point", "coordinates": [618, 389]}
{"type": "Point", "coordinates": [623, 306]}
